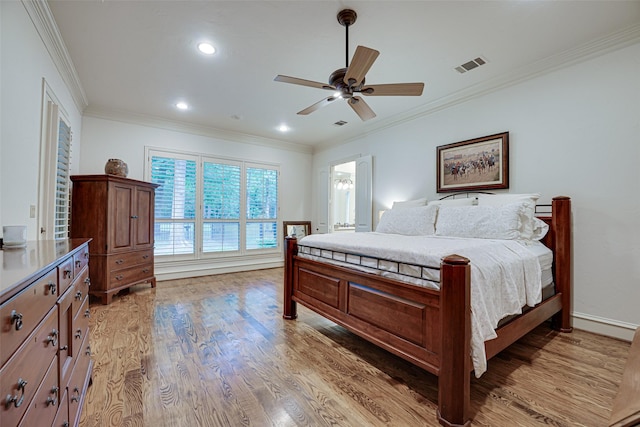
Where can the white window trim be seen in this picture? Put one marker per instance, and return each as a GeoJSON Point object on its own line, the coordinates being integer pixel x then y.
{"type": "Point", "coordinates": [51, 114]}
{"type": "Point", "coordinates": [200, 158]}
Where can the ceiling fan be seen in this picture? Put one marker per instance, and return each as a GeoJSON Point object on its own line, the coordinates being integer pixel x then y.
{"type": "Point", "coordinates": [348, 81]}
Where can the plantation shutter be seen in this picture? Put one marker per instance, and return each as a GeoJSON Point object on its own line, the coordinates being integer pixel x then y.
{"type": "Point", "coordinates": [262, 207]}
{"type": "Point", "coordinates": [221, 207]}
{"type": "Point", "coordinates": [62, 205]}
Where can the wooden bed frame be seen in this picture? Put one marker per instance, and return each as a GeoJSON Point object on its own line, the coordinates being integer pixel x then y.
{"type": "Point", "coordinates": [429, 328]}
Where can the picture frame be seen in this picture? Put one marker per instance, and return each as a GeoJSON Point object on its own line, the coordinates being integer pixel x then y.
{"type": "Point", "coordinates": [475, 164]}
{"type": "Point", "coordinates": [299, 229]}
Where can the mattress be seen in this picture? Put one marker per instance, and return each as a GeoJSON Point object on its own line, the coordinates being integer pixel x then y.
{"type": "Point", "coordinates": [506, 275]}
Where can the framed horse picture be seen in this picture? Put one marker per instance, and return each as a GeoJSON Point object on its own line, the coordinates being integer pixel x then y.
{"type": "Point", "coordinates": [475, 164]}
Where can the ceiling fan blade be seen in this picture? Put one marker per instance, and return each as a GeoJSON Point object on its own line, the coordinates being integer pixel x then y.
{"type": "Point", "coordinates": [361, 108]}
{"type": "Point", "coordinates": [362, 60]}
{"type": "Point", "coordinates": [303, 82]}
{"type": "Point", "coordinates": [317, 106]}
{"type": "Point", "coordinates": [394, 89]}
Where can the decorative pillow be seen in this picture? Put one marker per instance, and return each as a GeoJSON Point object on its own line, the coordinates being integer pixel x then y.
{"type": "Point", "coordinates": [410, 203]}
{"type": "Point", "coordinates": [529, 201]}
{"type": "Point", "coordinates": [455, 202]}
{"type": "Point", "coordinates": [540, 229]}
{"type": "Point", "coordinates": [418, 221]}
{"type": "Point", "coordinates": [482, 222]}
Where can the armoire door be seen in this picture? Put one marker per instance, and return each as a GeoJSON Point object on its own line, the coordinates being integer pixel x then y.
{"type": "Point", "coordinates": [144, 212]}
{"type": "Point", "coordinates": [121, 214]}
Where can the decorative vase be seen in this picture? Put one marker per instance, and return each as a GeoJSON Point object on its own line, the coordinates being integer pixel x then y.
{"type": "Point", "coordinates": [116, 167]}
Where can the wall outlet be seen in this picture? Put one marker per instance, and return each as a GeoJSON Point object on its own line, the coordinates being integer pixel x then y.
{"type": "Point", "coordinates": [32, 211]}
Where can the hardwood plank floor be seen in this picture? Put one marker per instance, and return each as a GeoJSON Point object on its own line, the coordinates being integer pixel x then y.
{"type": "Point", "coordinates": [215, 351]}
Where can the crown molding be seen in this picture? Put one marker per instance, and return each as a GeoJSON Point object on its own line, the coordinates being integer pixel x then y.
{"type": "Point", "coordinates": [211, 132]}
{"type": "Point", "coordinates": [620, 39]}
{"type": "Point", "coordinates": [45, 24]}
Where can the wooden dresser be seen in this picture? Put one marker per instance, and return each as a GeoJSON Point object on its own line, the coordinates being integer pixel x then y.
{"type": "Point", "coordinates": [118, 214]}
{"type": "Point", "coordinates": [44, 333]}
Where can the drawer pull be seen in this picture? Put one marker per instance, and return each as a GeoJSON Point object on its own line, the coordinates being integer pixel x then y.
{"type": "Point", "coordinates": [76, 398]}
{"type": "Point", "coordinates": [119, 261]}
{"type": "Point", "coordinates": [146, 270]}
{"type": "Point", "coordinates": [17, 401]}
{"type": "Point", "coordinates": [78, 295]}
{"type": "Point", "coordinates": [119, 277]}
{"type": "Point", "coordinates": [52, 287]}
{"type": "Point", "coordinates": [88, 351]}
{"type": "Point", "coordinates": [53, 401]}
{"type": "Point", "coordinates": [52, 338]}
{"type": "Point", "coordinates": [145, 256]}
{"type": "Point", "coordinates": [134, 216]}
{"type": "Point", "coordinates": [87, 281]}
{"type": "Point", "coordinates": [64, 347]}
{"type": "Point", "coordinates": [17, 318]}
{"type": "Point", "coordinates": [79, 333]}
{"type": "Point", "coordinates": [78, 263]}
{"type": "Point", "coordinates": [67, 274]}
{"type": "Point", "coordinates": [87, 313]}
{"type": "Point", "coordinates": [86, 254]}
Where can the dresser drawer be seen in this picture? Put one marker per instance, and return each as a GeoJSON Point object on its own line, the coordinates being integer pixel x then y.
{"type": "Point", "coordinates": [62, 418]}
{"type": "Point", "coordinates": [20, 377]}
{"type": "Point", "coordinates": [78, 382]}
{"type": "Point", "coordinates": [130, 275]}
{"type": "Point", "coordinates": [80, 328]}
{"type": "Point", "coordinates": [80, 290]}
{"type": "Point", "coordinates": [128, 259]}
{"type": "Point", "coordinates": [21, 314]}
{"type": "Point", "coordinates": [44, 406]}
{"type": "Point", "coordinates": [65, 274]}
{"type": "Point", "coordinates": [80, 260]}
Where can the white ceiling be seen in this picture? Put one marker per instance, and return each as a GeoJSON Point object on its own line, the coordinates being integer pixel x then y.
{"type": "Point", "coordinates": [138, 58]}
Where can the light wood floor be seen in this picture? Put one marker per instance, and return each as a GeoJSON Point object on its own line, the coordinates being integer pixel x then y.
{"type": "Point", "coordinates": [215, 351]}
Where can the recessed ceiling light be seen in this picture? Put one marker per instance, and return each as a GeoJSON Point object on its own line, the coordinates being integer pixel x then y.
{"type": "Point", "coordinates": [283, 128]}
{"type": "Point", "coordinates": [206, 48]}
{"type": "Point", "coordinates": [182, 106]}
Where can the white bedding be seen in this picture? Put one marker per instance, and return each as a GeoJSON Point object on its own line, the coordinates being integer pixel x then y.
{"type": "Point", "coordinates": [505, 274]}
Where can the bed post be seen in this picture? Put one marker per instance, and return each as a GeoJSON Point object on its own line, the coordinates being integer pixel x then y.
{"type": "Point", "coordinates": [454, 378]}
{"type": "Point", "coordinates": [290, 249]}
{"type": "Point", "coordinates": [561, 224]}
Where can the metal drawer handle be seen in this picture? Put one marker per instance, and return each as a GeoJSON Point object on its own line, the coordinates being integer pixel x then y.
{"type": "Point", "coordinates": [79, 333]}
{"type": "Point", "coordinates": [134, 216]}
{"type": "Point", "coordinates": [17, 401]}
{"type": "Point", "coordinates": [145, 256]}
{"type": "Point", "coordinates": [67, 273]}
{"type": "Point", "coordinates": [87, 281]}
{"type": "Point", "coordinates": [78, 295]}
{"type": "Point", "coordinates": [53, 401]}
{"type": "Point", "coordinates": [119, 277]}
{"type": "Point", "coordinates": [52, 338]}
{"type": "Point", "coordinates": [88, 351]}
{"type": "Point", "coordinates": [77, 396]}
{"type": "Point", "coordinates": [87, 313]}
{"type": "Point", "coordinates": [52, 287]}
{"type": "Point", "coordinates": [146, 270]}
{"type": "Point", "coordinates": [86, 254]}
{"type": "Point", "coordinates": [64, 347]}
{"type": "Point", "coordinates": [119, 261]}
{"type": "Point", "coordinates": [17, 318]}
{"type": "Point", "coordinates": [78, 263]}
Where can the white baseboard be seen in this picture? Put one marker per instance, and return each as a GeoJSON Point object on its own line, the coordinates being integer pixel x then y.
{"type": "Point", "coordinates": [171, 271]}
{"type": "Point", "coordinates": [604, 326]}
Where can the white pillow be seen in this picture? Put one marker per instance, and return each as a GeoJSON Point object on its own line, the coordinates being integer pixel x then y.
{"type": "Point", "coordinates": [418, 221]}
{"type": "Point", "coordinates": [455, 202]}
{"type": "Point", "coordinates": [482, 222]}
{"type": "Point", "coordinates": [529, 201]}
{"type": "Point", "coordinates": [540, 229]}
{"type": "Point", "coordinates": [410, 203]}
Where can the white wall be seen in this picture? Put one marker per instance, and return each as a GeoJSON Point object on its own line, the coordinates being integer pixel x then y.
{"type": "Point", "coordinates": [25, 62]}
{"type": "Point", "coordinates": [573, 132]}
{"type": "Point", "coordinates": [104, 139]}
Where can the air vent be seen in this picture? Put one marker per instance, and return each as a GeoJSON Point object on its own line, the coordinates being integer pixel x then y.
{"type": "Point", "coordinates": [340, 123]}
{"type": "Point", "coordinates": [468, 66]}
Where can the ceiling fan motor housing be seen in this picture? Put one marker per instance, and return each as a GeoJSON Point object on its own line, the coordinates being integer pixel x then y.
{"type": "Point", "coordinates": [336, 79]}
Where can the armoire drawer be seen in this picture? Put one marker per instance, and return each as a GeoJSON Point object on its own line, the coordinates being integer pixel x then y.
{"type": "Point", "coordinates": [128, 259]}
{"type": "Point", "coordinates": [21, 314]}
{"type": "Point", "coordinates": [129, 275]}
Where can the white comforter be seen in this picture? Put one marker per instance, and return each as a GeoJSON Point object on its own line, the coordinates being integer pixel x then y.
{"type": "Point", "coordinates": [505, 275]}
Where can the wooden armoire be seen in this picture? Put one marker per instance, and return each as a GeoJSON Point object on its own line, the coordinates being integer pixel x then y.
{"type": "Point", "coordinates": [118, 214]}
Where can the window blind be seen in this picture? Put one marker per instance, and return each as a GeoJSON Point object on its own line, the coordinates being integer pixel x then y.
{"type": "Point", "coordinates": [262, 206]}
{"type": "Point", "coordinates": [62, 205]}
{"type": "Point", "coordinates": [221, 207]}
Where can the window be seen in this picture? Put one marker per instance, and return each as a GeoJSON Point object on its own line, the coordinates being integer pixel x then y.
{"type": "Point", "coordinates": [208, 206]}
{"type": "Point", "coordinates": [62, 205]}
